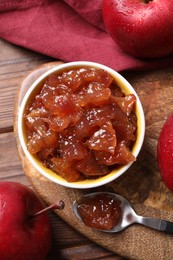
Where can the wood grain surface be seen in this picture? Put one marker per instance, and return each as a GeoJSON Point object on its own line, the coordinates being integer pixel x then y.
{"type": "Point", "coordinates": [141, 184]}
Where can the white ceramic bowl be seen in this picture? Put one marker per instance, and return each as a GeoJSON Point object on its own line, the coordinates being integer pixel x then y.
{"type": "Point", "coordinates": [88, 183]}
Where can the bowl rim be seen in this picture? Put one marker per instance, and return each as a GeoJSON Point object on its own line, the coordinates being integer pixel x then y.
{"type": "Point", "coordinates": [88, 183]}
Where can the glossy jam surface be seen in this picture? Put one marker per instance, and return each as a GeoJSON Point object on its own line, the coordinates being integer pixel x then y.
{"type": "Point", "coordinates": [101, 212]}
{"type": "Point", "coordinates": [81, 125]}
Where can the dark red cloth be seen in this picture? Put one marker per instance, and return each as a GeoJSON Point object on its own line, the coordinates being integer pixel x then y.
{"type": "Point", "coordinates": [68, 30]}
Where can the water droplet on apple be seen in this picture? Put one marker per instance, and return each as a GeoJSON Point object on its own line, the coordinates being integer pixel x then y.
{"type": "Point", "coordinates": [141, 20]}
{"type": "Point", "coordinates": [149, 7]}
{"type": "Point", "coordinates": [130, 11]}
{"type": "Point", "coordinates": [140, 11]}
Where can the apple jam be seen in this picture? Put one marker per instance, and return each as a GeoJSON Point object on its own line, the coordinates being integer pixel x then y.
{"type": "Point", "coordinates": [81, 125]}
{"type": "Point", "coordinates": [100, 212]}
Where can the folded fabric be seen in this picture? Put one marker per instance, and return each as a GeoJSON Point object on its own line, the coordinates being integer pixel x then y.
{"type": "Point", "coordinates": [68, 30]}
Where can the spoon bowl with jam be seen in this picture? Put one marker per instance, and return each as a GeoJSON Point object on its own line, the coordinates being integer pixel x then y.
{"type": "Point", "coordinates": [110, 212]}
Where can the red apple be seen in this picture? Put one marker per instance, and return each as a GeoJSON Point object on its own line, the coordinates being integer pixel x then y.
{"type": "Point", "coordinates": [22, 236]}
{"type": "Point", "coordinates": [165, 152]}
{"type": "Point", "coordinates": [143, 28]}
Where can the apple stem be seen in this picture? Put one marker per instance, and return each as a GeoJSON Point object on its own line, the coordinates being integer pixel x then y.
{"type": "Point", "coordinates": [147, 1]}
{"type": "Point", "coordinates": [57, 205]}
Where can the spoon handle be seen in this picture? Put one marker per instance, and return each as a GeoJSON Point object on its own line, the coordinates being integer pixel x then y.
{"type": "Point", "coordinates": [158, 224]}
{"type": "Point", "coordinates": [167, 226]}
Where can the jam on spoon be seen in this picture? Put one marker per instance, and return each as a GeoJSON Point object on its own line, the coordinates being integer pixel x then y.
{"type": "Point", "coordinates": [100, 212]}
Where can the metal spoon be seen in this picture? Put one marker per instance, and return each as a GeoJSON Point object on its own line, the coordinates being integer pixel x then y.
{"type": "Point", "coordinates": [129, 216]}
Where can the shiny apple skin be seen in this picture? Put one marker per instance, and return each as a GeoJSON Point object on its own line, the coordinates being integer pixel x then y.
{"type": "Point", "coordinates": [22, 237]}
{"type": "Point", "coordinates": [165, 152]}
{"type": "Point", "coordinates": [141, 29]}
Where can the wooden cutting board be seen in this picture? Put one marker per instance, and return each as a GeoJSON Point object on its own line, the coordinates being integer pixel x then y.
{"type": "Point", "coordinates": [141, 184]}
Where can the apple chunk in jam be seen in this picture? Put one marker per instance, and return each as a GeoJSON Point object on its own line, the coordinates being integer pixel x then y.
{"type": "Point", "coordinates": [81, 124]}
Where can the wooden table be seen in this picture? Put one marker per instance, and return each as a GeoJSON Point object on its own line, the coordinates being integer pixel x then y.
{"type": "Point", "coordinates": [15, 63]}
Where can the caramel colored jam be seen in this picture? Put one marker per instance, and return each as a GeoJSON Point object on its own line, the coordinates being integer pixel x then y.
{"type": "Point", "coordinates": [81, 125]}
{"type": "Point", "coordinates": [100, 212]}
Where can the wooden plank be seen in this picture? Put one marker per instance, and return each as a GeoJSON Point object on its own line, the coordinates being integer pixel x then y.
{"type": "Point", "coordinates": [10, 53]}
{"type": "Point", "coordinates": [15, 63]}
{"type": "Point", "coordinates": [9, 158]}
